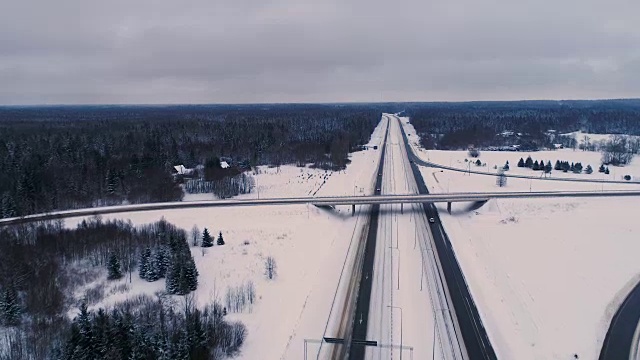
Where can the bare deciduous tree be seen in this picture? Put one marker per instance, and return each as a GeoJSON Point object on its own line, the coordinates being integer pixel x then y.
{"type": "Point", "coordinates": [270, 268]}
{"type": "Point", "coordinates": [195, 235]}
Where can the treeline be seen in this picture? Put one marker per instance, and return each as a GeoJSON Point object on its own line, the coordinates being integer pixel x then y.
{"type": "Point", "coordinates": [458, 125]}
{"type": "Point", "coordinates": [41, 265]}
{"type": "Point", "coordinates": [153, 331]}
{"type": "Point", "coordinates": [71, 157]}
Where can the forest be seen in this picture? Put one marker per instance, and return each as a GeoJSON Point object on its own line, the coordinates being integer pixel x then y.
{"type": "Point", "coordinates": [65, 157]}
{"type": "Point", "coordinates": [43, 267]}
{"type": "Point", "coordinates": [453, 126]}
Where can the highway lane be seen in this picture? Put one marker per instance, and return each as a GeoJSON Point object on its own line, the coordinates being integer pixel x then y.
{"type": "Point", "coordinates": [619, 343]}
{"type": "Point", "coordinates": [409, 299]}
{"type": "Point", "coordinates": [360, 317]}
{"type": "Point", "coordinates": [476, 340]}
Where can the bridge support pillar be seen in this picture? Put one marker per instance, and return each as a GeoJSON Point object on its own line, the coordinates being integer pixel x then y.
{"type": "Point", "coordinates": [353, 209]}
{"type": "Point", "coordinates": [449, 208]}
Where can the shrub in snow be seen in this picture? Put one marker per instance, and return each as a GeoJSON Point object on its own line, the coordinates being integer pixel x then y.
{"type": "Point", "coordinates": [220, 239]}
{"type": "Point", "coordinates": [627, 177]}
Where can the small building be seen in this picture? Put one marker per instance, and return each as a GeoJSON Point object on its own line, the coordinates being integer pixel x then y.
{"type": "Point", "coordinates": [224, 164]}
{"type": "Point", "coordinates": [558, 146]}
{"type": "Point", "coordinates": [181, 170]}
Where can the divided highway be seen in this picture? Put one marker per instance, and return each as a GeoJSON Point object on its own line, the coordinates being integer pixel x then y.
{"type": "Point", "coordinates": [476, 340]}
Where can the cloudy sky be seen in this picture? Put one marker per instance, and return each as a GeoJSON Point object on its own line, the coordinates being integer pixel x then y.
{"type": "Point", "coordinates": [239, 51]}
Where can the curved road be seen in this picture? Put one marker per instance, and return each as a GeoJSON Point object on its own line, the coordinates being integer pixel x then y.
{"type": "Point", "coordinates": [423, 162]}
{"type": "Point", "coordinates": [619, 342]}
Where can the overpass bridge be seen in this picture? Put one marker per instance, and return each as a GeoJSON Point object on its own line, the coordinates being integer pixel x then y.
{"type": "Point", "coordinates": [318, 201]}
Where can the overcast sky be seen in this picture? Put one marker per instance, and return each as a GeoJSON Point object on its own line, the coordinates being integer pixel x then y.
{"type": "Point", "coordinates": [243, 51]}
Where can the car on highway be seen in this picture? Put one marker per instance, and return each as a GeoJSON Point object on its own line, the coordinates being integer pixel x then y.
{"type": "Point", "coordinates": [432, 220]}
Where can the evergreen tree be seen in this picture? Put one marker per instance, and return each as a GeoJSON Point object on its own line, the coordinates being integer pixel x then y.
{"type": "Point", "coordinates": [7, 206]}
{"type": "Point", "coordinates": [566, 166]}
{"type": "Point", "coordinates": [478, 162]}
{"type": "Point", "coordinates": [572, 168]}
{"type": "Point", "coordinates": [145, 260]}
{"type": "Point", "coordinates": [521, 162]}
{"type": "Point", "coordinates": [84, 349]}
{"type": "Point", "coordinates": [161, 259]}
{"type": "Point", "coordinates": [535, 166]}
{"type": "Point", "coordinates": [220, 239]}
{"type": "Point", "coordinates": [588, 169]}
{"type": "Point", "coordinates": [9, 307]}
{"type": "Point", "coordinates": [190, 276]}
{"type": "Point", "coordinates": [153, 268]}
{"type": "Point", "coordinates": [172, 284]}
{"type": "Point", "coordinates": [113, 267]}
{"type": "Point", "coordinates": [578, 168]}
{"type": "Point", "coordinates": [529, 162]}
{"type": "Point", "coordinates": [101, 334]}
{"type": "Point", "coordinates": [558, 166]}
{"type": "Point", "coordinates": [601, 168]}
{"type": "Point", "coordinates": [606, 170]}
{"type": "Point", "coordinates": [548, 167]}
{"type": "Point", "coordinates": [207, 241]}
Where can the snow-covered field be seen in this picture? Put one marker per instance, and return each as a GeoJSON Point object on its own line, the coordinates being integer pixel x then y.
{"type": "Point", "coordinates": [309, 245]}
{"type": "Point", "coordinates": [547, 274]}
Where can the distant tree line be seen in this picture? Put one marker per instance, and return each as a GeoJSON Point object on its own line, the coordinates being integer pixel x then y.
{"type": "Point", "coordinates": [71, 157]}
{"type": "Point", "coordinates": [458, 125]}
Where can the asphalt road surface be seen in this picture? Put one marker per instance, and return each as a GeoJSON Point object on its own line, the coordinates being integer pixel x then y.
{"type": "Point", "coordinates": [619, 342]}
{"type": "Point", "coordinates": [476, 340]}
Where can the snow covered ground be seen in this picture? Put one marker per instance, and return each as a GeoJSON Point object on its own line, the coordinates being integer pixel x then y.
{"type": "Point", "coordinates": [309, 245]}
{"type": "Point", "coordinates": [547, 274]}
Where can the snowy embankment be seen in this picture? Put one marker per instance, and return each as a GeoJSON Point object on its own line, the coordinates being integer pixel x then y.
{"type": "Point", "coordinates": [308, 244]}
{"type": "Point", "coordinates": [547, 274]}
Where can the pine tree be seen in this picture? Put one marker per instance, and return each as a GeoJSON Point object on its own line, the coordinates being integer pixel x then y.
{"type": "Point", "coordinates": [9, 307]}
{"type": "Point", "coordinates": [145, 259]}
{"type": "Point", "coordinates": [601, 168]}
{"type": "Point", "coordinates": [548, 167]}
{"type": "Point", "coordinates": [566, 166]}
{"type": "Point", "coordinates": [190, 275]}
{"type": "Point", "coordinates": [113, 267]}
{"type": "Point", "coordinates": [172, 284]}
{"type": "Point", "coordinates": [521, 162]}
{"type": "Point", "coordinates": [220, 239]}
{"type": "Point", "coordinates": [606, 170]}
{"type": "Point", "coordinates": [558, 166]}
{"type": "Point", "coordinates": [529, 162]}
{"type": "Point", "coordinates": [207, 241]}
{"type": "Point", "coordinates": [153, 268]}
{"type": "Point", "coordinates": [478, 162]}
{"type": "Point", "coordinates": [572, 168]}
{"type": "Point", "coordinates": [161, 258]}
{"type": "Point", "coordinates": [588, 169]}
{"type": "Point", "coordinates": [85, 346]}
{"type": "Point", "coordinates": [7, 206]}
{"type": "Point", "coordinates": [535, 166]}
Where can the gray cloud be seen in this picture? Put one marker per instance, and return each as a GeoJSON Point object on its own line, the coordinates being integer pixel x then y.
{"type": "Point", "coordinates": [157, 51]}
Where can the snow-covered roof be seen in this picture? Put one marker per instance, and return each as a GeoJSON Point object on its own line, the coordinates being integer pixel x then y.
{"type": "Point", "coordinates": [224, 164]}
{"type": "Point", "coordinates": [182, 170]}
